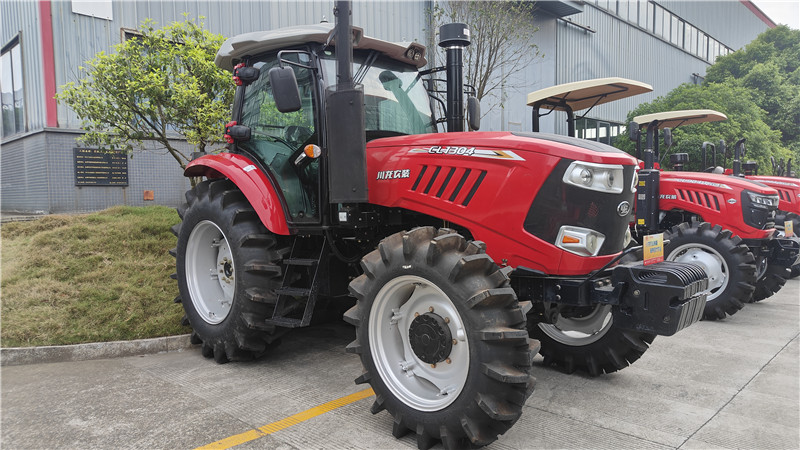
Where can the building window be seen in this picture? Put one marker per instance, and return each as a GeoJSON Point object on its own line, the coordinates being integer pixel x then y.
{"type": "Point", "coordinates": [598, 130]}
{"type": "Point", "coordinates": [11, 86]}
{"type": "Point", "coordinates": [659, 21]}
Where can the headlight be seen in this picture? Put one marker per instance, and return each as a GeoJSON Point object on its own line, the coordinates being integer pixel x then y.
{"type": "Point", "coordinates": [635, 180]}
{"type": "Point", "coordinates": [596, 177]}
{"type": "Point", "coordinates": [765, 201]}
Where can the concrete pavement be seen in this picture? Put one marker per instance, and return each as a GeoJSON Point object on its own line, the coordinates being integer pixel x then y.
{"type": "Point", "coordinates": [728, 384]}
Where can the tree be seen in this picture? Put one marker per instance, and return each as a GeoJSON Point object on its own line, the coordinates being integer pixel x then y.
{"type": "Point", "coordinates": [156, 87]}
{"type": "Point", "coordinates": [504, 42]}
{"type": "Point", "coordinates": [745, 120]}
{"type": "Point", "coordinates": [769, 68]}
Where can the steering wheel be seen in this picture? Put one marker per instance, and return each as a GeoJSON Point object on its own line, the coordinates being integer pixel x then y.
{"type": "Point", "coordinates": [295, 133]}
{"type": "Point", "coordinates": [275, 138]}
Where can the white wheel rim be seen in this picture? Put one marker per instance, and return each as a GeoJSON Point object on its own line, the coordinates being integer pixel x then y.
{"type": "Point", "coordinates": [710, 260]}
{"type": "Point", "coordinates": [413, 381]}
{"type": "Point", "coordinates": [579, 331]}
{"type": "Point", "coordinates": [210, 273]}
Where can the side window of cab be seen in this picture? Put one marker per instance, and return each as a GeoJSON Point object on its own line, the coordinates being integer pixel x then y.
{"type": "Point", "coordinates": [277, 138]}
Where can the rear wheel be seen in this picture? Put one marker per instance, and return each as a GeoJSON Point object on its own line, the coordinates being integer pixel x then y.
{"type": "Point", "coordinates": [228, 266]}
{"type": "Point", "coordinates": [773, 279]}
{"type": "Point", "coordinates": [728, 262]}
{"type": "Point", "coordinates": [586, 339]}
{"type": "Point", "coordinates": [442, 339]}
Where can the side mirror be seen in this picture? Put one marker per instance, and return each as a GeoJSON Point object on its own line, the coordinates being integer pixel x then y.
{"type": "Point", "coordinates": [722, 148]}
{"type": "Point", "coordinates": [668, 137]}
{"type": "Point", "coordinates": [633, 131]}
{"type": "Point", "coordinates": [284, 89]}
{"type": "Point", "coordinates": [473, 113]}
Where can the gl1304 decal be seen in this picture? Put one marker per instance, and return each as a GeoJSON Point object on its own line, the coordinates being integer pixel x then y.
{"type": "Point", "coordinates": [469, 151]}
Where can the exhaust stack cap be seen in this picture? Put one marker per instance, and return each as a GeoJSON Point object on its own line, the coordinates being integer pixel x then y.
{"type": "Point", "coordinates": [454, 35]}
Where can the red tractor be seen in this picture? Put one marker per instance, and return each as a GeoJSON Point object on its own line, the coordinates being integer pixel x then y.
{"type": "Point", "coordinates": [336, 185]}
{"type": "Point", "coordinates": [726, 224]}
{"type": "Point", "coordinates": [788, 214]}
{"type": "Point", "coordinates": [686, 208]}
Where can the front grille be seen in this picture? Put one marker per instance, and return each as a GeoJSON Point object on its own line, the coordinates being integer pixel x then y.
{"type": "Point", "coordinates": [455, 184]}
{"type": "Point", "coordinates": [558, 204]}
{"type": "Point", "coordinates": [760, 217]}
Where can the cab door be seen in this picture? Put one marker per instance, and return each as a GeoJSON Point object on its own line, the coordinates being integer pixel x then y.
{"type": "Point", "coordinates": [277, 138]}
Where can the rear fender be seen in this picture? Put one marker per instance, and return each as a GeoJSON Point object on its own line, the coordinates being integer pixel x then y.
{"type": "Point", "coordinates": [250, 179]}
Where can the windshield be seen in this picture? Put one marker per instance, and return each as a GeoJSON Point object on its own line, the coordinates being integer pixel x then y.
{"type": "Point", "coordinates": [396, 100]}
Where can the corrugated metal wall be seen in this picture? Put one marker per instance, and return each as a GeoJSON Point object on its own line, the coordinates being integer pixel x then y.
{"type": "Point", "coordinates": [78, 38]}
{"type": "Point", "coordinates": [619, 48]}
{"type": "Point", "coordinates": [732, 23]}
{"type": "Point", "coordinates": [22, 18]}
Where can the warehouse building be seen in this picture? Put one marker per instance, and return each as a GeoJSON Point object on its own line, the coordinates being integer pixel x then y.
{"type": "Point", "coordinates": [44, 170]}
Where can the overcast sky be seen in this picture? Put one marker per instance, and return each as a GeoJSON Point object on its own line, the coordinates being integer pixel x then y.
{"type": "Point", "coordinates": [781, 11]}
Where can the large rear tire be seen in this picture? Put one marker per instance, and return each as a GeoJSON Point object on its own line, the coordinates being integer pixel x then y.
{"type": "Point", "coordinates": [442, 339]}
{"type": "Point", "coordinates": [228, 266]}
{"type": "Point", "coordinates": [587, 340]}
{"type": "Point", "coordinates": [728, 262]}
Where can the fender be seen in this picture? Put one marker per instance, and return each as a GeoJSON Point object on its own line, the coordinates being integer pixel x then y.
{"type": "Point", "coordinates": [250, 179]}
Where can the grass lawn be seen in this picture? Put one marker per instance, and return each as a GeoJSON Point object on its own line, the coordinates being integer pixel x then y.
{"type": "Point", "coordinates": [97, 277]}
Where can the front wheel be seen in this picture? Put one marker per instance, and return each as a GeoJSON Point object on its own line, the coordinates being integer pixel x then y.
{"type": "Point", "coordinates": [728, 262]}
{"type": "Point", "coordinates": [442, 339]}
{"type": "Point", "coordinates": [586, 339]}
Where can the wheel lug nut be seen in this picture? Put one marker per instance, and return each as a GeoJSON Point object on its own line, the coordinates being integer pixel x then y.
{"type": "Point", "coordinates": [416, 314]}
{"type": "Point", "coordinates": [447, 361]}
{"type": "Point", "coordinates": [446, 320]}
{"type": "Point", "coordinates": [455, 342]}
{"type": "Point", "coordinates": [430, 309]}
{"type": "Point", "coordinates": [433, 366]}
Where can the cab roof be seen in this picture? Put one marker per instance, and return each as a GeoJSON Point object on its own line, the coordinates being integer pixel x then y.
{"type": "Point", "coordinates": [673, 119]}
{"type": "Point", "coordinates": [584, 94]}
{"type": "Point", "coordinates": [234, 49]}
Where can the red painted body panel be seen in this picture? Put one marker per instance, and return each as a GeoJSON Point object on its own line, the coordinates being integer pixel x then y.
{"type": "Point", "coordinates": [709, 196]}
{"type": "Point", "coordinates": [250, 179]}
{"type": "Point", "coordinates": [515, 168]}
{"type": "Point", "coordinates": [788, 191]}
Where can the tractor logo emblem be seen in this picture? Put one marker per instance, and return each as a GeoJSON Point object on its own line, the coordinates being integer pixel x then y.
{"type": "Point", "coordinates": [393, 174]}
{"type": "Point", "coordinates": [731, 201]}
{"type": "Point", "coordinates": [623, 209]}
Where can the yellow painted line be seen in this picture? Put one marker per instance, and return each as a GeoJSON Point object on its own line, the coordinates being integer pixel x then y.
{"type": "Point", "coordinates": [273, 427]}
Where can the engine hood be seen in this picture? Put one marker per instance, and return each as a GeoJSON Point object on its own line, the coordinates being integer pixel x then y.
{"type": "Point", "coordinates": [508, 145]}
{"type": "Point", "coordinates": [721, 182]}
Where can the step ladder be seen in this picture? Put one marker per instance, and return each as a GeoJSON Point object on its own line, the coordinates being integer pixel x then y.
{"type": "Point", "coordinates": [289, 297]}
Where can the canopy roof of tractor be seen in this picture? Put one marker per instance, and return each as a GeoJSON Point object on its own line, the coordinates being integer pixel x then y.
{"type": "Point", "coordinates": [584, 94]}
{"type": "Point", "coordinates": [673, 119]}
{"type": "Point", "coordinates": [236, 48]}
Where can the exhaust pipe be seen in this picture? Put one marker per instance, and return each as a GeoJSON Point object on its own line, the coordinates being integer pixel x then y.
{"type": "Point", "coordinates": [454, 37]}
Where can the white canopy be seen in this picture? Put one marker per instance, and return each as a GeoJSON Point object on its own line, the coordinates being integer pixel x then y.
{"type": "Point", "coordinates": [673, 119]}
{"type": "Point", "coordinates": [584, 94]}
